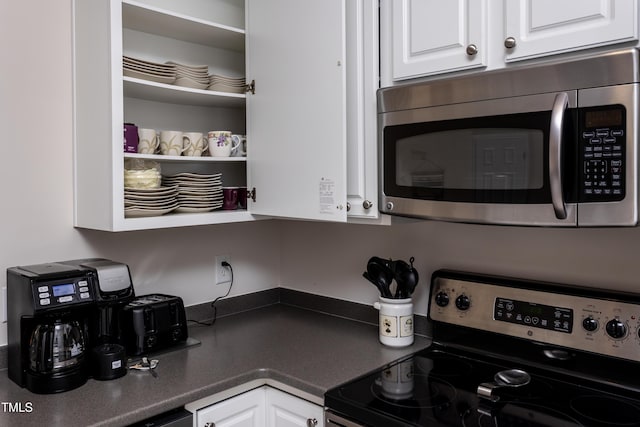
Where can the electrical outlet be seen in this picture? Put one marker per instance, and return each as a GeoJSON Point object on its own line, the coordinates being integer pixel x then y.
{"type": "Point", "coordinates": [223, 274]}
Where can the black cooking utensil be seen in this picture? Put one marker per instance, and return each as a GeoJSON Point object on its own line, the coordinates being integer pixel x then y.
{"type": "Point", "coordinates": [400, 269]}
{"type": "Point", "coordinates": [406, 278]}
{"type": "Point", "coordinates": [381, 288]}
{"type": "Point", "coordinates": [379, 273]}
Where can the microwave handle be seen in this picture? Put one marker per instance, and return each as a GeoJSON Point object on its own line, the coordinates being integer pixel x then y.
{"type": "Point", "coordinates": [560, 104]}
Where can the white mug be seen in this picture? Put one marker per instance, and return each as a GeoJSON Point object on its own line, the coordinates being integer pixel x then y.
{"type": "Point", "coordinates": [220, 143]}
{"type": "Point", "coordinates": [240, 142]}
{"type": "Point", "coordinates": [171, 143]}
{"type": "Point", "coordinates": [197, 144]}
{"type": "Point", "coordinates": [148, 141]}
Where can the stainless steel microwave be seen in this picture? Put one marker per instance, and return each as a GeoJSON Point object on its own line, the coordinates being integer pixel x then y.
{"type": "Point", "coordinates": [546, 145]}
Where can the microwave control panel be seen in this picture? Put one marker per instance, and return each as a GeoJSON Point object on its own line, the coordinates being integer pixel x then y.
{"type": "Point", "coordinates": [602, 144]}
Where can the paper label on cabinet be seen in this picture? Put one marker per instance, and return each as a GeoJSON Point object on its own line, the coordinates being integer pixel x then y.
{"type": "Point", "coordinates": [327, 195]}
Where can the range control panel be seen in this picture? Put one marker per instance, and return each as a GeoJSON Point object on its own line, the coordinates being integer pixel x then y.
{"type": "Point", "coordinates": [62, 292]}
{"type": "Point", "coordinates": [543, 316]}
{"type": "Point", "coordinates": [607, 326]}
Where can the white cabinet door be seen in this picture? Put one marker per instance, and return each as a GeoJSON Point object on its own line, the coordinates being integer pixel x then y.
{"type": "Point", "coordinates": [543, 27]}
{"type": "Point", "coordinates": [296, 120]}
{"type": "Point", "coordinates": [244, 410]}
{"type": "Point", "coordinates": [437, 36]}
{"type": "Point", "coordinates": [362, 83]}
{"type": "Point", "coordinates": [285, 410]}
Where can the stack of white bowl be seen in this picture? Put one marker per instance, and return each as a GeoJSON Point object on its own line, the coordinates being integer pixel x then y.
{"type": "Point", "coordinates": [191, 76]}
{"type": "Point", "coordinates": [197, 192]}
{"type": "Point", "coordinates": [148, 70]}
{"type": "Point", "coordinates": [142, 178]}
{"type": "Point", "coordinates": [226, 84]}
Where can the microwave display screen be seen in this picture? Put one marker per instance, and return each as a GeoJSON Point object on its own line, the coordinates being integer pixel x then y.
{"type": "Point", "coordinates": [603, 118]}
{"type": "Point", "coordinates": [472, 159]}
{"type": "Point", "coordinates": [62, 290]}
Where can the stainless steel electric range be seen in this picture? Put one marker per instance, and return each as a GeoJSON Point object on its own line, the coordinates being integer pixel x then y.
{"type": "Point", "coordinates": [508, 352]}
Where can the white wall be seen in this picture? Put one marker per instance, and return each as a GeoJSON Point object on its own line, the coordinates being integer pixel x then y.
{"type": "Point", "coordinates": [329, 259]}
{"type": "Point", "coordinates": [36, 179]}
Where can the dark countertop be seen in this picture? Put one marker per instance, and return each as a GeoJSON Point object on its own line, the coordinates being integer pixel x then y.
{"type": "Point", "coordinates": [298, 348]}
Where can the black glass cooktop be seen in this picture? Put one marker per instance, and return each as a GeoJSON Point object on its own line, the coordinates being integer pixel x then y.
{"type": "Point", "coordinates": [439, 388]}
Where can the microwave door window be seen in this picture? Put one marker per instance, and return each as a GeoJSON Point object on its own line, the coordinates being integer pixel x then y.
{"type": "Point", "coordinates": [471, 164]}
{"type": "Point", "coordinates": [508, 161]}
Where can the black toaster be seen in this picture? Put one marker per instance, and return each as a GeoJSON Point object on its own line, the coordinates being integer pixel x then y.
{"type": "Point", "coordinates": [152, 323]}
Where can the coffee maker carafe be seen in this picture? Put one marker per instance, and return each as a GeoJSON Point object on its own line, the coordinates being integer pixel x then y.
{"type": "Point", "coordinates": [57, 346]}
{"type": "Point", "coordinates": [47, 323]}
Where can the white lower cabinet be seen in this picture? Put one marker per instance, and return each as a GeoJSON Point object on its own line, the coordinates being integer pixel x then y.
{"type": "Point", "coordinates": [261, 407]}
{"type": "Point", "coordinates": [286, 410]}
{"type": "Point", "coordinates": [245, 410]}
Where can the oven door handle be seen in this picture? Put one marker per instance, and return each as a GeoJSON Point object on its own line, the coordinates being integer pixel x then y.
{"type": "Point", "coordinates": [331, 419]}
{"type": "Point", "coordinates": [560, 105]}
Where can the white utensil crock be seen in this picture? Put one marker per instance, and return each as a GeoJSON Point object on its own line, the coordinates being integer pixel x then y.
{"type": "Point", "coordinates": [395, 321]}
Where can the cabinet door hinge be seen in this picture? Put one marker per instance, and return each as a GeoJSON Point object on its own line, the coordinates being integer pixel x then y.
{"type": "Point", "coordinates": [251, 87]}
{"type": "Point", "coordinates": [252, 194]}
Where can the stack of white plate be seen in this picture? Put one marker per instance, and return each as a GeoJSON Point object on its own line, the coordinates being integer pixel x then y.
{"type": "Point", "coordinates": [227, 84]}
{"type": "Point", "coordinates": [192, 76]}
{"type": "Point", "coordinates": [147, 70]}
{"type": "Point", "coordinates": [140, 202]}
{"type": "Point", "coordinates": [197, 192]}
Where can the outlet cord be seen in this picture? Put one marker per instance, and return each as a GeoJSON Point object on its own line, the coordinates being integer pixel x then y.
{"type": "Point", "coordinates": [213, 303]}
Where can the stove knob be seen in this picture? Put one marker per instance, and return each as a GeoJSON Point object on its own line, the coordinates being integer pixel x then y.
{"type": "Point", "coordinates": [616, 329]}
{"type": "Point", "coordinates": [463, 302]}
{"type": "Point", "coordinates": [442, 299]}
{"type": "Point", "coordinates": [590, 324]}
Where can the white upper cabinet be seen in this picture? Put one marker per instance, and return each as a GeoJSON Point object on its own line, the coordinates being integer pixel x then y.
{"type": "Point", "coordinates": [536, 28]}
{"type": "Point", "coordinates": [311, 101]}
{"type": "Point", "coordinates": [362, 127]}
{"type": "Point", "coordinates": [193, 32]}
{"type": "Point", "coordinates": [435, 36]}
{"type": "Point", "coordinates": [296, 120]}
{"type": "Point", "coordinates": [422, 38]}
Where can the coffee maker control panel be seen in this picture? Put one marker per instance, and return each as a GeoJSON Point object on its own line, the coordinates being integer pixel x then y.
{"type": "Point", "coordinates": [62, 292]}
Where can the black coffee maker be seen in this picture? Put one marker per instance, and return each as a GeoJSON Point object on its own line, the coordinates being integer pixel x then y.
{"type": "Point", "coordinates": [48, 318]}
{"type": "Point", "coordinates": [62, 323]}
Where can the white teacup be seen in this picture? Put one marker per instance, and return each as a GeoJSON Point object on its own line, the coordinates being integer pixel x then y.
{"type": "Point", "coordinates": [220, 143]}
{"type": "Point", "coordinates": [197, 144]}
{"type": "Point", "coordinates": [148, 141]}
{"type": "Point", "coordinates": [171, 143]}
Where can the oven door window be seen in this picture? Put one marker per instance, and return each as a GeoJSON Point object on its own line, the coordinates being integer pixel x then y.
{"type": "Point", "coordinates": [499, 159]}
